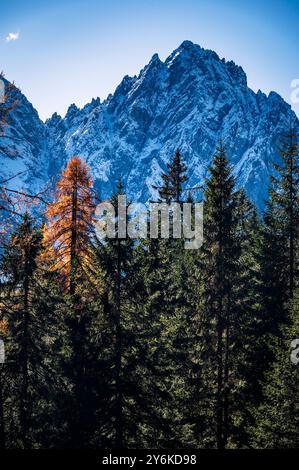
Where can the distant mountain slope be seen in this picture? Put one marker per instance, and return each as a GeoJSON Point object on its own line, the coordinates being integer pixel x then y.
{"type": "Point", "coordinates": [191, 101]}
{"type": "Point", "coordinates": [24, 141]}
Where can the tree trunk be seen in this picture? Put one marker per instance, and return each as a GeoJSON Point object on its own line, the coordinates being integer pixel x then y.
{"type": "Point", "coordinates": [226, 388]}
{"type": "Point", "coordinates": [73, 258]}
{"type": "Point", "coordinates": [119, 439]}
{"type": "Point", "coordinates": [219, 405]}
{"type": "Point", "coordinates": [2, 425]}
{"type": "Point", "coordinates": [291, 228]}
{"type": "Point", "coordinates": [76, 431]}
{"type": "Point", "coordinates": [24, 363]}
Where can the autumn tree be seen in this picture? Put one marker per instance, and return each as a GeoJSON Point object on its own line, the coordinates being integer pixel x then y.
{"type": "Point", "coordinates": [67, 242]}
{"type": "Point", "coordinates": [66, 234]}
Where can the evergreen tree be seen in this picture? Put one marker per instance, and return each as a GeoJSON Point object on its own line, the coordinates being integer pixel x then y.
{"type": "Point", "coordinates": [280, 237]}
{"type": "Point", "coordinates": [279, 261]}
{"type": "Point", "coordinates": [277, 418]}
{"type": "Point", "coordinates": [173, 179]}
{"type": "Point", "coordinates": [167, 301]}
{"type": "Point", "coordinates": [116, 266]}
{"type": "Point", "coordinates": [19, 265]}
{"type": "Point", "coordinates": [224, 312]}
{"type": "Point", "coordinates": [249, 342]}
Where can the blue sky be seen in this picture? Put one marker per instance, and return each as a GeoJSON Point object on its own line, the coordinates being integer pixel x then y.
{"type": "Point", "coordinates": [69, 51]}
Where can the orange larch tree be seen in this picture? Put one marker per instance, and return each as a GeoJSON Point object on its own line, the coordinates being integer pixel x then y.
{"type": "Point", "coordinates": [67, 242]}
{"type": "Point", "coordinates": [66, 235]}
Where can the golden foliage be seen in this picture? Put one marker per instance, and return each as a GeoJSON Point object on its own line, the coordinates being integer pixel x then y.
{"type": "Point", "coordinates": [70, 217]}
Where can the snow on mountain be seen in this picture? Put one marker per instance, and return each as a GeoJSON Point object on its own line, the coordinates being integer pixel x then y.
{"type": "Point", "coordinates": [23, 144]}
{"type": "Point", "coordinates": [191, 101]}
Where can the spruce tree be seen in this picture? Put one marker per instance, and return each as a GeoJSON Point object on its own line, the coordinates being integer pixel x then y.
{"type": "Point", "coordinates": [224, 314]}
{"type": "Point", "coordinates": [115, 264]}
{"type": "Point", "coordinates": [173, 180]}
{"type": "Point", "coordinates": [19, 265]}
{"type": "Point", "coordinates": [249, 342]}
{"type": "Point", "coordinates": [167, 313]}
{"type": "Point", "coordinates": [277, 418]}
{"type": "Point", "coordinates": [280, 236]}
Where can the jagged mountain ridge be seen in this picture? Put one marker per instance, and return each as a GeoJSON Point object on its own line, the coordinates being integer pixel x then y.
{"type": "Point", "coordinates": [191, 101]}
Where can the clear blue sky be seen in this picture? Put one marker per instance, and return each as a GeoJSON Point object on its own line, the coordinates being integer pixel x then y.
{"type": "Point", "coordinates": [69, 51]}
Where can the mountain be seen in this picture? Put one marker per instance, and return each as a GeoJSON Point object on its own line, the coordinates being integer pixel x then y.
{"type": "Point", "coordinates": [23, 143]}
{"type": "Point", "coordinates": [191, 101]}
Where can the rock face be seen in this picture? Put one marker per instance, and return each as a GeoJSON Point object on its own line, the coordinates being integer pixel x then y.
{"type": "Point", "coordinates": [191, 101]}
{"type": "Point", "coordinates": [23, 144]}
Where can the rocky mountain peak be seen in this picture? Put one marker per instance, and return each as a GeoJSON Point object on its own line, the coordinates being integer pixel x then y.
{"type": "Point", "coordinates": [190, 101]}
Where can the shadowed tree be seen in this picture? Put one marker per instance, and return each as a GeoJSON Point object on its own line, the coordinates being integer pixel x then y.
{"type": "Point", "coordinates": [67, 242]}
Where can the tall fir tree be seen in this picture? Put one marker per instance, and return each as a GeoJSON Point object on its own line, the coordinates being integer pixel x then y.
{"type": "Point", "coordinates": [116, 265]}
{"type": "Point", "coordinates": [277, 417]}
{"type": "Point", "coordinates": [23, 337]}
{"type": "Point", "coordinates": [173, 179]}
{"type": "Point", "coordinates": [223, 312]}
{"type": "Point", "coordinates": [167, 318]}
{"type": "Point", "coordinates": [280, 236]}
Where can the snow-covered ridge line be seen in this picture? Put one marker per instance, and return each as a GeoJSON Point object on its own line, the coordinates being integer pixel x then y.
{"type": "Point", "coordinates": [191, 101]}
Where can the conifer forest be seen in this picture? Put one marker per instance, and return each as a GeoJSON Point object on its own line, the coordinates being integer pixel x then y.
{"type": "Point", "coordinates": [149, 233]}
{"type": "Point", "coordinates": [142, 343]}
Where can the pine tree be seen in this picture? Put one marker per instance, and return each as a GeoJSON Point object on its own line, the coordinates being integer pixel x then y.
{"type": "Point", "coordinates": [165, 339]}
{"type": "Point", "coordinates": [280, 237]}
{"type": "Point", "coordinates": [279, 280]}
{"type": "Point", "coordinates": [224, 314]}
{"type": "Point", "coordinates": [18, 266]}
{"type": "Point", "coordinates": [277, 418]}
{"type": "Point", "coordinates": [249, 321]}
{"type": "Point", "coordinates": [115, 264]}
{"type": "Point", "coordinates": [167, 314]}
{"type": "Point", "coordinates": [173, 180]}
